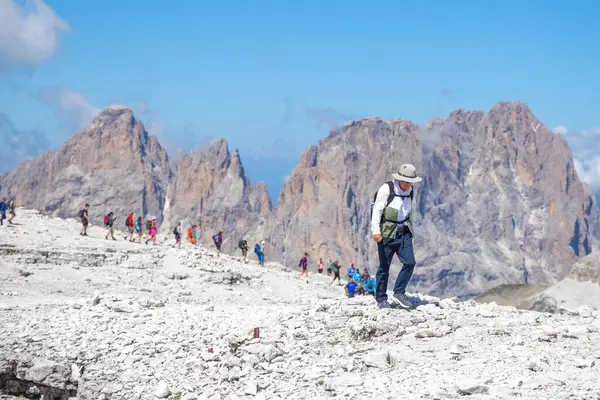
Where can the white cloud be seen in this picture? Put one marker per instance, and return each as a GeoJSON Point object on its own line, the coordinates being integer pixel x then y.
{"type": "Point", "coordinates": [75, 105]}
{"type": "Point", "coordinates": [585, 145]}
{"type": "Point", "coordinates": [561, 130]}
{"type": "Point", "coordinates": [589, 172]}
{"type": "Point", "coordinates": [30, 31]}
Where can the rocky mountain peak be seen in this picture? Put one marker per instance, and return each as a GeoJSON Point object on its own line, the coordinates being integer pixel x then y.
{"type": "Point", "coordinates": [113, 117]}
{"type": "Point", "coordinates": [514, 117]}
{"type": "Point", "coordinates": [218, 146]}
{"type": "Point", "coordinates": [466, 119]}
{"type": "Point", "coordinates": [214, 153]}
{"type": "Point", "coordinates": [112, 164]}
{"type": "Point", "coordinates": [211, 189]}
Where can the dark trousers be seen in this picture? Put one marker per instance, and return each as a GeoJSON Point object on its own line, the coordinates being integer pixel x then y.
{"type": "Point", "coordinates": [401, 246]}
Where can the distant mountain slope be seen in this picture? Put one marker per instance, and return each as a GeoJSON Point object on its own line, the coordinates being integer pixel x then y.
{"type": "Point", "coordinates": [500, 201]}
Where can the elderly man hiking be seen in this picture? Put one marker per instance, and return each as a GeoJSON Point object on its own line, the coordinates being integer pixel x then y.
{"type": "Point", "coordinates": [392, 230]}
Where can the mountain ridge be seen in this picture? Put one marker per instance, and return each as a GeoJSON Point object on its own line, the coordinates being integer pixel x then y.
{"type": "Point", "coordinates": [497, 185]}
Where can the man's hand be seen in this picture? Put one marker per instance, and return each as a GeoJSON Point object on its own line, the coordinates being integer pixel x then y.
{"type": "Point", "coordinates": [377, 237]}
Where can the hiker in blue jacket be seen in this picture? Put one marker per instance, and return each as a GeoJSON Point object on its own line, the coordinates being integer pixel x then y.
{"type": "Point", "coordinates": [2, 211]}
{"type": "Point", "coordinates": [350, 288]}
{"type": "Point", "coordinates": [370, 286]}
{"type": "Point", "coordinates": [259, 250]}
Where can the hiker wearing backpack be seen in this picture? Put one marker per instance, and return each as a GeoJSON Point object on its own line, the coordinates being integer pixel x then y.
{"type": "Point", "coordinates": [392, 230]}
{"type": "Point", "coordinates": [365, 275]}
{"type": "Point", "coordinates": [130, 226]}
{"type": "Point", "coordinates": [108, 224]}
{"type": "Point", "coordinates": [357, 275]}
{"type": "Point", "coordinates": [218, 239]}
{"type": "Point", "coordinates": [177, 233]}
{"type": "Point", "coordinates": [351, 271]}
{"type": "Point", "coordinates": [304, 264]}
{"type": "Point", "coordinates": [139, 229]}
{"type": "Point", "coordinates": [11, 209]}
{"type": "Point", "coordinates": [335, 267]}
{"type": "Point", "coordinates": [243, 245]}
{"type": "Point", "coordinates": [151, 227]}
{"type": "Point", "coordinates": [370, 286]}
{"type": "Point", "coordinates": [83, 214]}
{"type": "Point", "coordinates": [3, 206]}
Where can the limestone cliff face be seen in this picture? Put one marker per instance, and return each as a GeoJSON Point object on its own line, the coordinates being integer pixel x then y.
{"type": "Point", "coordinates": [323, 206]}
{"type": "Point", "coordinates": [114, 165]}
{"type": "Point", "coordinates": [500, 201]}
{"type": "Point", "coordinates": [211, 189]}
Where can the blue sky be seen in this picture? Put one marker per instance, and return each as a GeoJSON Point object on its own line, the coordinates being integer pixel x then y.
{"type": "Point", "coordinates": [272, 77]}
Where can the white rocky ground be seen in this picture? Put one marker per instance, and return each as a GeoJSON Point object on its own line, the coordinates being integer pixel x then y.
{"type": "Point", "coordinates": [94, 319]}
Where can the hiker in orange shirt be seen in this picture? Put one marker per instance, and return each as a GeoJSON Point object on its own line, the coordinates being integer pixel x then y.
{"type": "Point", "coordinates": [130, 226]}
{"type": "Point", "coordinates": [192, 234]}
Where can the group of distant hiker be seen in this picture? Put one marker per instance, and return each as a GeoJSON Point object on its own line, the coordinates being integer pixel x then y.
{"type": "Point", "coordinates": [358, 283]}
{"type": "Point", "coordinates": [135, 229]}
{"type": "Point", "coordinates": [391, 229]}
{"type": "Point", "coordinates": [9, 205]}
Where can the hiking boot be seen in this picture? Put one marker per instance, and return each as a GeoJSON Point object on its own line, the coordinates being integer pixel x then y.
{"type": "Point", "coordinates": [383, 304]}
{"type": "Point", "coordinates": [403, 300]}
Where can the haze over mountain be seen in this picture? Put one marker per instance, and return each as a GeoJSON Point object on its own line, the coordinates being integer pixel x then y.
{"type": "Point", "coordinates": [501, 201]}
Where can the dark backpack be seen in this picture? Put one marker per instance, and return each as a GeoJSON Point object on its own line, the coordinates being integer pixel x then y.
{"type": "Point", "coordinates": [127, 221]}
{"type": "Point", "coordinates": [148, 225]}
{"type": "Point", "coordinates": [175, 231]}
{"type": "Point", "coordinates": [391, 197]}
{"type": "Point", "coordinates": [241, 244]}
{"type": "Point", "coordinates": [80, 214]}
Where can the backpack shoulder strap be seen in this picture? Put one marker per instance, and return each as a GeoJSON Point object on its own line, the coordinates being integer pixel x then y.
{"type": "Point", "coordinates": [392, 192]}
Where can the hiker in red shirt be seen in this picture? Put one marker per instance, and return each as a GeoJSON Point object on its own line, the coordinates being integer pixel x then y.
{"type": "Point", "coordinates": [129, 225]}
